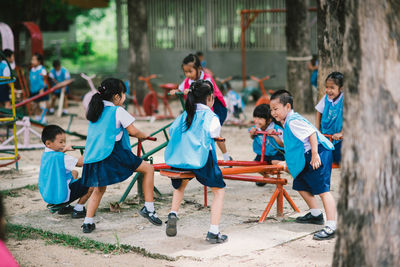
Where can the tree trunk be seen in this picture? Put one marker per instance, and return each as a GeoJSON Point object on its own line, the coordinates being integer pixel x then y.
{"type": "Point", "coordinates": [298, 54]}
{"type": "Point", "coordinates": [330, 33]}
{"type": "Point", "coordinates": [369, 205]}
{"type": "Point", "coordinates": [119, 34]}
{"type": "Point", "coordinates": [138, 46]}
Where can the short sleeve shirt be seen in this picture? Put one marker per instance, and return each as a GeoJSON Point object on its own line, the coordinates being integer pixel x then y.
{"type": "Point", "coordinates": [122, 118]}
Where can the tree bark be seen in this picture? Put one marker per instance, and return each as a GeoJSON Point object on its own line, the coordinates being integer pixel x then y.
{"type": "Point", "coordinates": [298, 54]}
{"type": "Point", "coordinates": [330, 31]}
{"type": "Point", "coordinates": [369, 205]}
{"type": "Point", "coordinates": [119, 34]}
{"type": "Point", "coordinates": [138, 46]}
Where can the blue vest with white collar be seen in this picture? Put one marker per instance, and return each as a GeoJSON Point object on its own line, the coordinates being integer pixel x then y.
{"type": "Point", "coordinates": [294, 147]}
{"type": "Point", "coordinates": [3, 67]}
{"type": "Point", "coordinates": [53, 178]}
{"type": "Point", "coordinates": [36, 80]}
{"type": "Point", "coordinates": [271, 146]}
{"type": "Point", "coordinates": [60, 77]}
{"type": "Point", "coordinates": [190, 149]}
{"type": "Point", "coordinates": [332, 118]}
{"type": "Point", "coordinates": [101, 136]}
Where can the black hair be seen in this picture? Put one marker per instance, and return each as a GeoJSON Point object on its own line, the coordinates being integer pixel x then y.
{"type": "Point", "coordinates": [284, 97]}
{"type": "Point", "coordinates": [264, 111]}
{"type": "Point", "coordinates": [8, 52]}
{"type": "Point", "coordinates": [336, 77]}
{"type": "Point", "coordinates": [198, 93]}
{"type": "Point", "coordinates": [39, 57]}
{"type": "Point", "coordinates": [191, 58]}
{"type": "Point", "coordinates": [199, 54]}
{"type": "Point", "coordinates": [314, 59]}
{"type": "Point", "coordinates": [56, 63]}
{"type": "Point", "coordinates": [107, 90]}
{"type": "Point", "coordinates": [2, 215]}
{"type": "Point", "coordinates": [50, 132]}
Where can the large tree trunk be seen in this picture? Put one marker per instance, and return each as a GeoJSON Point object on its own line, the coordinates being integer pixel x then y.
{"type": "Point", "coordinates": [330, 33]}
{"type": "Point", "coordinates": [138, 46]}
{"type": "Point", "coordinates": [298, 54]}
{"type": "Point", "coordinates": [369, 205]}
{"type": "Point", "coordinates": [119, 34]}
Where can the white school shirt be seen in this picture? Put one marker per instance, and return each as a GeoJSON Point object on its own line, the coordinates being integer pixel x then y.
{"type": "Point", "coordinates": [122, 117]}
{"type": "Point", "coordinates": [44, 72]}
{"type": "Point", "coordinates": [215, 125]}
{"type": "Point", "coordinates": [182, 85]}
{"type": "Point", "coordinates": [321, 104]}
{"type": "Point", "coordinates": [67, 75]}
{"type": "Point", "coordinates": [69, 164]}
{"type": "Point", "coordinates": [301, 130]}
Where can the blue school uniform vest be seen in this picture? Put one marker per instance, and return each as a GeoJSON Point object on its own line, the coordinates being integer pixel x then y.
{"type": "Point", "coordinates": [190, 149]}
{"type": "Point", "coordinates": [101, 136]}
{"type": "Point", "coordinates": [332, 118]}
{"type": "Point", "coordinates": [36, 80]}
{"type": "Point", "coordinates": [271, 146]}
{"type": "Point", "coordinates": [3, 67]}
{"type": "Point", "coordinates": [53, 185]}
{"type": "Point", "coordinates": [294, 148]}
{"type": "Point", "coordinates": [61, 76]}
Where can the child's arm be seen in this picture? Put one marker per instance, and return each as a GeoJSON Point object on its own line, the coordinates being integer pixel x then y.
{"type": "Point", "coordinates": [278, 140]}
{"type": "Point", "coordinates": [318, 120]}
{"type": "Point", "coordinates": [338, 136]}
{"type": "Point", "coordinates": [315, 159]}
{"type": "Point", "coordinates": [80, 162]}
{"type": "Point", "coordinates": [252, 132]}
{"type": "Point", "coordinates": [133, 131]}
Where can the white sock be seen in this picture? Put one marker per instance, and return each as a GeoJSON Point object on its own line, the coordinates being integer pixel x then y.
{"type": "Point", "coordinates": [331, 224]}
{"type": "Point", "coordinates": [174, 212]}
{"type": "Point", "coordinates": [149, 206]}
{"type": "Point", "coordinates": [225, 156]}
{"type": "Point", "coordinates": [315, 212]}
{"type": "Point", "coordinates": [214, 229]}
{"type": "Point", "coordinates": [79, 207]}
{"type": "Point", "coordinates": [88, 220]}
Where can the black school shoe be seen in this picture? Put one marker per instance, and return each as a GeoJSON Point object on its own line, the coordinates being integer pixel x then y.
{"type": "Point", "coordinates": [171, 225]}
{"type": "Point", "coordinates": [88, 227]}
{"type": "Point", "coordinates": [151, 216]}
{"type": "Point", "coordinates": [325, 234]}
{"type": "Point", "coordinates": [66, 210]}
{"type": "Point", "coordinates": [308, 218]}
{"type": "Point", "coordinates": [216, 238]}
{"type": "Point", "coordinates": [78, 214]}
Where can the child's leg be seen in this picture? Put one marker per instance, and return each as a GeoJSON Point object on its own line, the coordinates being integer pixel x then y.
{"type": "Point", "coordinates": [329, 206]}
{"type": "Point", "coordinates": [178, 196]}
{"type": "Point", "coordinates": [217, 204]}
{"type": "Point", "coordinates": [309, 199]}
{"type": "Point", "coordinates": [85, 198]}
{"type": "Point", "coordinates": [94, 201]}
{"type": "Point", "coordinates": [74, 174]}
{"type": "Point", "coordinates": [148, 180]}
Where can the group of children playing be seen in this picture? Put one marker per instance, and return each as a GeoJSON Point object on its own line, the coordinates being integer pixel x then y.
{"type": "Point", "coordinates": [108, 158]}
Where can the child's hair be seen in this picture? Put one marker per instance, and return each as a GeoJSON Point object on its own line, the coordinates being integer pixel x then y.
{"type": "Point", "coordinates": [262, 111]}
{"type": "Point", "coordinates": [2, 215]}
{"type": "Point", "coordinates": [199, 54]}
{"type": "Point", "coordinates": [314, 59]}
{"type": "Point", "coordinates": [107, 90]}
{"type": "Point", "coordinates": [50, 132]}
{"type": "Point", "coordinates": [192, 59]}
{"type": "Point", "coordinates": [198, 93]}
{"type": "Point", "coordinates": [336, 77]}
{"type": "Point", "coordinates": [284, 97]}
{"type": "Point", "coordinates": [39, 57]}
{"type": "Point", "coordinates": [56, 63]}
{"type": "Point", "coordinates": [8, 52]}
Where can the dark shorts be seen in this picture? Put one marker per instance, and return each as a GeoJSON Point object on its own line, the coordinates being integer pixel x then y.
{"type": "Point", "coordinates": [117, 167]}
{"type": "Point", "coordinates": [220, 110]}
{"type": "Point", "coordinates": [268, 159]}
{"type": "Point", "coordinates": [210, 175]}
{"type": "Point", "coordinates": [43, 98]}
{"type": "Point", "coordinates": [4, 93]}
{"type": "Point", "coordinates": [337, 153]}
{"type": "Point", "coordinates": [315, 181]}
{"type": "Point", "coordinates": [78, 190]}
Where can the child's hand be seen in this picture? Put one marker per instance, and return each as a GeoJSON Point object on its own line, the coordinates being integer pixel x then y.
{"type": "Point", "coordinates": [186, 91]}
{"type": "Point", "coordinates": [173, 91]}
{"type": "Point", "coordinates": [315, 161]}
{"type": "Point", "coordinates": [270, 131]}
{"type": "Point", "coordinates": [68, 148]}
{"type": "Point", "coordinates": [337, 136]}
{"type": "Point", "coordinates": [252, 131]}
{"type": "Point", "coordinates": [283, 164]}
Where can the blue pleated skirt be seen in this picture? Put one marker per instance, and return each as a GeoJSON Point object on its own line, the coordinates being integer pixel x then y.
{"type": "Point", "coordinates": [117, 167]}
{"type": "Point", "coordinates": [220, 111]}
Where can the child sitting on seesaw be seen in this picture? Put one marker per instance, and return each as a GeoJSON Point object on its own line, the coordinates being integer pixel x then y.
{"type": "Point", "coordinates": [58, 182]}
{"type": "Point", "coordinates": [192, 147]}
{"type": "Point", "coordinates": [37, 76]}
{"type": "Point", "coordinates": [308, 157]}
{"type": "Point", "coordinates": [59, 74]}
{"type": "Point", "coordinates": [108, 156]}
{"type": "Point", "coordinates": [329, 118]}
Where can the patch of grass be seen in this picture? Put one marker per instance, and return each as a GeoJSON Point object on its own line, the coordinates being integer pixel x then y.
{"type": "Point", "coordinates": [20, 232]}
{"type": "Point", "coordinates": [15, 192]}
{"type": "Point", "coordinates": [32, 187]}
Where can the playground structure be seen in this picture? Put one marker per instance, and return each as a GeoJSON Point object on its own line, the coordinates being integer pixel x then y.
{"type": "Point", "coordinates": [88, 96]}
{"type": "Point", "coordinates": [264, 99]}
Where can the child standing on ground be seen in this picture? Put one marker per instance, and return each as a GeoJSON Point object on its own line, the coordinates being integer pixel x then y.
{"type": "Point", "coordinates": [329, 117]}
{"type": "Point", "coordinates": [58, 181]}
{"type": "Point", "coordinates": [37, 76]}
{"type": "Point", "coordinates": [308, 157]}
{"type": "Point", "coordinates": [59, 74]}
{"type": "Point", "coordinates": [192, 147]}
{"type": "Point", "coordinates": [108, 157]}
{"type": "Point", "coordinates": [6, 72]}
{"type": "Point", "coordinates": [192, 69]}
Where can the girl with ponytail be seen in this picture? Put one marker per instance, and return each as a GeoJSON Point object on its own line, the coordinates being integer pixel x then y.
{"type": "Point", "coordinates": [191, 147]}
{"type": "Point", "coordinates": [108, 157]}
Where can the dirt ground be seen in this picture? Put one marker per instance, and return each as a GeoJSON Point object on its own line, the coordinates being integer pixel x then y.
{"type": "Point", "coordinates": [299, 252]}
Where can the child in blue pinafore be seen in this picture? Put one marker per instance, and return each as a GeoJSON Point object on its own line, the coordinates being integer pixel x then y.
{"type": "Point", "coordinates": [58, 182]}
{"type": "Point", "coordinates": [192, 147]}
{"type": "Point", "coordinates": [59, 74]}
{"type": "Point", "coordinates": [329, 118]}
{"type": "Point", "coordinates": [6, 72]}
{"type": "Point", "coordinates": [108, 156]}
{"type": "Point", "coordinates": [308, 157]}
{"type": "Point", "coordinates": [37, 76]}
